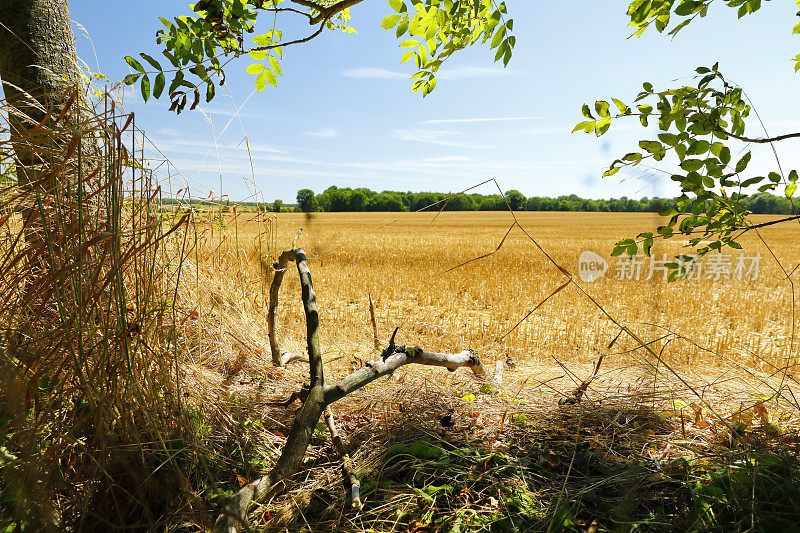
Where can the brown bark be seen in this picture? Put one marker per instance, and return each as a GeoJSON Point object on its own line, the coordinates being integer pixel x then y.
{"type": "Point", "coordinates": [279, 358]}
{"type": "Point", "coordinates": [38, 65]}
{"type": "Point", "coordinates": [348, 469]}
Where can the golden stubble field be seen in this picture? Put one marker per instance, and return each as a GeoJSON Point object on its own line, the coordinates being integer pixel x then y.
{"type": "Point", "coordinates": [404, 261]}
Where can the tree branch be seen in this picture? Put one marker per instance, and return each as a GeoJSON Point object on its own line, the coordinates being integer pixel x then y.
{"type": "Point", "coordinates": [303, 425]}
{"type": "Point", "coordinates": [319, 397]}
{"type": "Point", "coordinates": [348, 471]}
{"type": "Point", "coordinates": [761, 140]}
{"type": "Point", "coordinates": [280, 266]}
{"type": "Point", "coordinates": [287, 43]}
{"type": "Point", "coordinates": [402, 356]}
{"type": "Point", "coordinates": [770, 223]}
{"type": "Point", "coordinates": [326, 13]}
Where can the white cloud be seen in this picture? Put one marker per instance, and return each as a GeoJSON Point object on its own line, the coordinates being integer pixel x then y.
{"type": "Point", "coordinates": [477, 120]}
{"type": "Point", "coordinates": [459, 73]}
{"type": "Point", "coordinates": [323, 132]}
{"type": "Point", "coordinates": [364, 73]}
{"type": "Point", "coordinates": [439, 137]}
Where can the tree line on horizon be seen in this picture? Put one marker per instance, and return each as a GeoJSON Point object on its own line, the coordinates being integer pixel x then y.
{"type": "Point", "coordinates": [346, 199]}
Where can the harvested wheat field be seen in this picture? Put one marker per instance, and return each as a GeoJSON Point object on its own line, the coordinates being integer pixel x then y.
{"type": "Point", "coordinates": [576, 423]}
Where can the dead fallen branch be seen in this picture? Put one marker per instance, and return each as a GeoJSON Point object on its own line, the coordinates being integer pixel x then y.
{"type": "Point", "coordinates": [402, 356]}
{"type": "Point", "coordinates": [279, 358]}
{"type": "Point", "coordinates": [348, 471]}
{"type": "Point", "coordinates": [319, 397]}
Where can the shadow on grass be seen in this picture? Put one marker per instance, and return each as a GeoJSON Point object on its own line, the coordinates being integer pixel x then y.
{"type": "Point", "coordinates": [587, 469]}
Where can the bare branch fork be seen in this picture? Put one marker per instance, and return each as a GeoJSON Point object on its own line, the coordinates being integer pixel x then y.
{"type": "Point", "coordinates": [319, 397]}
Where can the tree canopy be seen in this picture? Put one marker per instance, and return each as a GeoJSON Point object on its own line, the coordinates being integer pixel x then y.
{"type": "Point", "coordinates": [199, 46]}
{"type": "Point", "coordinates": [698, 123]}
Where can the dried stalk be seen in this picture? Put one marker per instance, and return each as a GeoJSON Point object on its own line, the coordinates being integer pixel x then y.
{"type": "Point", "coordinates": [374, 322]}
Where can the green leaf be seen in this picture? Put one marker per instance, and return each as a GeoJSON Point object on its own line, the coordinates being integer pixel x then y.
{"type": "Point", "coordinates": [699, 146]}
{"type": "Point", "coordinates": [692, 165]}
{"type": "Point", "coordinates": [790, 190]}
{"type": "Point", "coordinates": [145, 86]}
{"type": "Point", "coordinates": [130, 79]}
{"type": "Point", "coordinates": [152, 61]}
{"type": "Point", "coordinates": [390, 21]}
{"type": "Point", "coordinates": [262, 40]}
{"type": "Point", "coordinates": [725, 155]}
{"type": "Point", "coordinates": [668, 138]}
{"type": "Point", "coordinates": [210, 91]}
{"type": "Point", "coordinates": [276, 67]}
{"type": "Point", "coordinates": [402, 28]}
{"type": "Point", "coordinates": [255, 68]}
{"type": "Point", "coordinates": [398, 6]}
{"type": "Point", "coordinates": [261, 81]}
{"type": "Point", "coordinates": [743, 162]}
{"type": "Point", "coordinates": [498, 37]}
{"type": "Point", "coordinates": [587, 126]}
{"type": "Point", "coordinates": [621, 106]}
{"type": "Point", "coordinates": [271, 78]}
{"type": "Point", "coordinates": [752, 181]}
{"type": "Point", "coordinates": [158, 86]}
{"type": "Point", "coordinates": [651, 146]}
{"type": "Point", "coordinates": [601, 106]}
{"type": "Point", "coordinates": [134, 63]}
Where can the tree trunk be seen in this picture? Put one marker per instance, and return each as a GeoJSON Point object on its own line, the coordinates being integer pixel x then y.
{"type": "Point", "coordinates": [41, 81]}
{"type": "Point", "coordinates": [37, 54]}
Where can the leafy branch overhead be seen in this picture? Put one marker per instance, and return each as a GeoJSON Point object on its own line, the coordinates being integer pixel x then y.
{"type": "Point", "coordinates": [437, 29]}
{"type": "Point", "coordinates": [199, 47]}
{"type": "Point", "coordinates": [696, 125]}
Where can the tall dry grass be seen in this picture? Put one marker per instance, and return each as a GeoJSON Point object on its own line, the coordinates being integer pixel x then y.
{"type": "Point", "coordinates": [90, 397]}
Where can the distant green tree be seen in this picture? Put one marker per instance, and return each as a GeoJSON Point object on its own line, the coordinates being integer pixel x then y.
{"type": "Point", "coordinates": [534, 203]}
{"type": "Point", "coordinates": [385, 201]}
{"type": "Point", "coordinates": [306, 201]}
{"type": "Point", "coordinates": [458, 202]}
{"type": "Point", "coordinates": [424, 199]}
{"type": "Point", "coordinates": [494, 202]}
{"type": "Point", "coordinates": [516, 200]}
{"type": "Point", "coordinates": [277, 205]}
{"type": "Point", "coordinates": [358, 200]}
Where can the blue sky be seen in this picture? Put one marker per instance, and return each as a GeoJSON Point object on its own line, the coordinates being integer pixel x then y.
{"type": "Point", "coordinates": [343, 113]}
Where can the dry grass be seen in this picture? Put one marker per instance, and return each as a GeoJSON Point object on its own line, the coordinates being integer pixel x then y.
{"type": "Point", "coordinates": [728, 346]}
